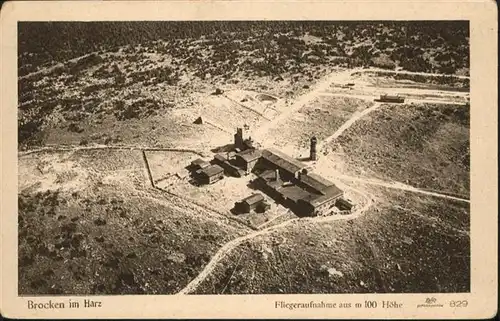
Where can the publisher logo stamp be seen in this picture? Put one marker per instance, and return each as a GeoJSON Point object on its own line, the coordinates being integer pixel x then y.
{"type": "Point", "coordinates": [430, 303]}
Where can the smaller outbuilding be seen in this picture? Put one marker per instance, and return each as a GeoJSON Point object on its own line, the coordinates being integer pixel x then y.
{"type": "Point", "coordinates": [199, 164]}
{"type": "Point", "coordinates": [343, 204]}
{"type": "Point", "coordinates": [391, 98]}
{"type": "Point", "coordinates": [198, 121]}
{"type": "Point", "coordinates": [255, 202]}
{"type": "Point", "coordinates": [218, 91]}
{"type": "Point", "coordinates": [210, 174]}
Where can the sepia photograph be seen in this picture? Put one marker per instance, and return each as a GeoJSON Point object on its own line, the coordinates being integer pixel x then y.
{"type": "Point", "coordinates": [232, 159]}
{"type": "Point", "coordinates": [243, 157]}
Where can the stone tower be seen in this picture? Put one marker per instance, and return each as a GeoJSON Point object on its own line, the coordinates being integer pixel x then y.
{"type": "Point", "coordinates": [238, 138]}
{"type": "Point", "coordinates": [313, 155]}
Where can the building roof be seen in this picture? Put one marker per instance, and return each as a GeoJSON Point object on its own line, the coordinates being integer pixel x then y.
{"type": "Point", "coordinates": [331, 192]}
{"type": "Point", "coordinates": [282, 160]}
{"type": "Point", "coordinates": [387, 96]}
{"type": "Point", "coordinates": [220, 157]}
{"type": "Point", "coordinates": [315, 182]}
{"type": "Point", "coordinates": [212, 170]}
{"type": "Point", "coordinates": [249, 155]}
{"type": "Point", "coordinates": [293, 192]}
{"type": "Point", "coordinates": [253, 199]}
{"type": "Point", "coordinates": [199, 162]}
{"type": "Point", "coordinates": [269, 177]}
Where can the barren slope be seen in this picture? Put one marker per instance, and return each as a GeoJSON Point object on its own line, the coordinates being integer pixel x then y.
{"type": "Point", "coordinates": [403, 244]}
{"type": "Point", "coordinates": [87, 225]}
{"type": "Point", "coordinates": [423, 145]}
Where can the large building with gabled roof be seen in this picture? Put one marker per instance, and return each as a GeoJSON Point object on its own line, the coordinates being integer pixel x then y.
{"type": "Point", "coordinates": [288, 180]}
{"type": "Point", "coordinates": [281, 160]}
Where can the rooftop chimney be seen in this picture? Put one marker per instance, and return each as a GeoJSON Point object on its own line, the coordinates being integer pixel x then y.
{"type": "Point", "coordinates": [277, 171]}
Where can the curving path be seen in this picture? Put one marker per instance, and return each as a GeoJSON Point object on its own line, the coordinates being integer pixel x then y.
{"type": "Point", "coordinates": [231, 245]}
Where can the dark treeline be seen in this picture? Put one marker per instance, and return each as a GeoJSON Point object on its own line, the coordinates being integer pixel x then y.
{"type": "Point", "coordinates": [43, 42]}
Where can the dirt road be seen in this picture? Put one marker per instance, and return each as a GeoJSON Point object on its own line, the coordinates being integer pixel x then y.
{"type": "Point", "coordinates": [48, 70]}
{"type": "Point", "coordinates": [223, 251]}
{"type": "Point", "coordinates": [356, 116]}
{"type": "Point", "coordinates": [373, 96]}
{"type": "Point", "coordinates": [70, 148]}
{"type": "Point", "coordinates": [218, 126]}
{"type": "Point", "coordinates": [404, 72]}
{"type": "Point", "coordinates": [260, 134]}
{"type": "Point", "coordinates": [398, 185]}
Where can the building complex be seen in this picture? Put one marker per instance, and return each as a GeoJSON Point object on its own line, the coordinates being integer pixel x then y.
{"type": "Point", "coordinates": [283, 178]}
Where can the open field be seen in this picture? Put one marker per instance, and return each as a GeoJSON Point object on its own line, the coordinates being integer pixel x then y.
{"type": "Point", "coordinates": [423, 145]}
{"type": "Point", "coordinates": [229, 113]}
{"type": "Point", "coordinates": [173, 131]}
{"type": "Point", "coordinates": [99, 242]}
{"type": "Point", "coordinates": [77, 170]}
{"type": "Point", "coordinates": [165, 164]}
{"type": "Point", "coordinates": [403, 244]}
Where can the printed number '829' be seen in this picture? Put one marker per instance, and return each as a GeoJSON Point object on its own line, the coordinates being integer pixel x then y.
{"type": "Point", "coordinates": [459, 304]}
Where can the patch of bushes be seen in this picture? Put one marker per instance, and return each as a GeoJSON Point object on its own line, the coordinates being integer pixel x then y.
{"type": "Point", "coordinates": [74, 127]}
{"type": "Point", "coordinates": [139, 109]}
